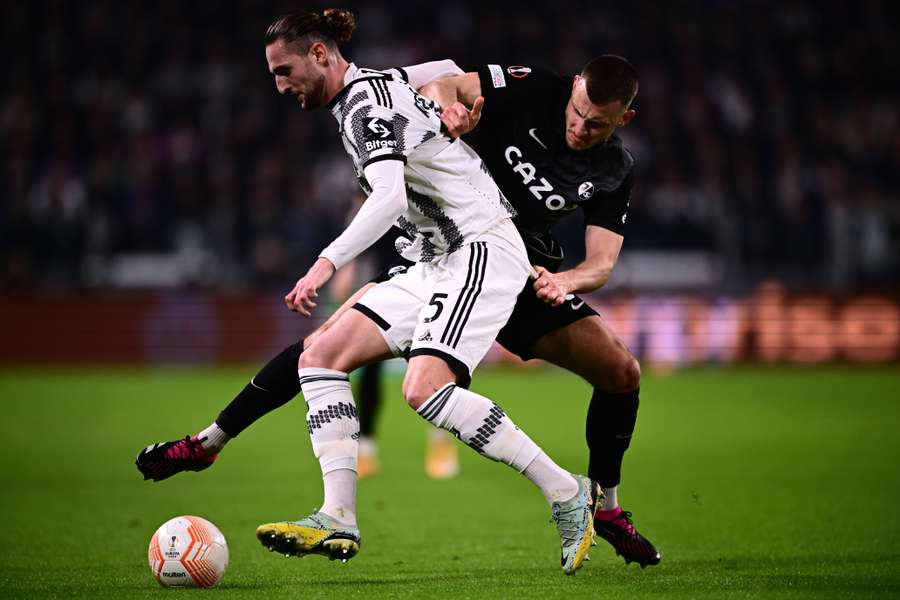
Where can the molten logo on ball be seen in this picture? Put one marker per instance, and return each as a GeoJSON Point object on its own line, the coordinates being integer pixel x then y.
{"type": "Point", "coordinates": [196, 553]}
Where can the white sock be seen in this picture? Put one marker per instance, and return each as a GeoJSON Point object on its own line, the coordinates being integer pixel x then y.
{"type": "Point", "coordinates": [340, 485]}
{"type": "Point", "coordinates": [481, 424]}
{"type": "Point", "coordinates": [213, 439]}
{"type": "Point", "coordinates": [608, 500]}
{"type": "Point", "coordinates": [334, 432]}
{"type": "Point", "coordinates": [484, 426]}
{"type": "Point", "coordinates": [555, 483]}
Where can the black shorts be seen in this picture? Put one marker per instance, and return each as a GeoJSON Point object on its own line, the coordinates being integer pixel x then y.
{"type": "Point", "coordinates": [531, 319]}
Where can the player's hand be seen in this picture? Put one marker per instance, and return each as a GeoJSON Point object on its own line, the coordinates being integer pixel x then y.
{"type": "Point", "coordinates": [459, 120]}
{"type": "Point", "coordinates": [301, 299]}
{"type": "Point", "coordinates": [550, 287]}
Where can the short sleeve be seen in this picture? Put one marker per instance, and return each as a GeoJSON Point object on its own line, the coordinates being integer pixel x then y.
{"type": "Point", "coordinates": [610, 210]}
{"type": "Point", "coordinates": [507, 89]}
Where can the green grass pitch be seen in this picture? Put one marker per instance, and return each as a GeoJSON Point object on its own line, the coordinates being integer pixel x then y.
{"type": "Point", "coordinates": [753, 482]}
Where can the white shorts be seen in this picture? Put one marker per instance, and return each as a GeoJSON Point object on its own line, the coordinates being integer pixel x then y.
{"type": "Point", "coordinates": [454, 306]}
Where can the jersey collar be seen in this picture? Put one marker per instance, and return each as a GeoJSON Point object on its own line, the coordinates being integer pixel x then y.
{"type": "Point", "coordinates": [349, 76]}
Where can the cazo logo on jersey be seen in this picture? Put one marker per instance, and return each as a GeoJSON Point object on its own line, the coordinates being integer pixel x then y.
{"type": "Point", "coordinates": [378, 133]}
{"type": "Point", "coordinates": [526, 171]}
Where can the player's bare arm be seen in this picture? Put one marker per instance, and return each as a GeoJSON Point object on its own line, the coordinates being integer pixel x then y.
{"type": "Point", "coordinates": [455, 95]}
{"type": "Point", "coordinates": [602, 248]}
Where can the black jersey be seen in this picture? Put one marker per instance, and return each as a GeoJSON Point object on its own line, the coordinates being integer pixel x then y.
{"type": "Point", "coordinates": [521, 138]}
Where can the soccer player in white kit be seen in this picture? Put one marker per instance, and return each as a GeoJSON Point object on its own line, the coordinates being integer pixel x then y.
{"type": "Point", "coordinates": [443, 313]}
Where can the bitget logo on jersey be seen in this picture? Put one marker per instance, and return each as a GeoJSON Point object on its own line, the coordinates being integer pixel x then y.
{"type": "Point", "coordinates": [379, 134]}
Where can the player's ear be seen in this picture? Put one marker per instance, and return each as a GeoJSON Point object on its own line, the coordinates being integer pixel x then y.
{"type": "Point", "coordinates": [318, 53]}
{"type": "Point", "coordinates": [627, 116]}
{"type": "Point", "coordinates": [575, 81]}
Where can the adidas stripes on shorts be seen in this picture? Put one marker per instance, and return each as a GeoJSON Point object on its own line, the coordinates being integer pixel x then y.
{"type": "Point", "coordinates": [454, 306]}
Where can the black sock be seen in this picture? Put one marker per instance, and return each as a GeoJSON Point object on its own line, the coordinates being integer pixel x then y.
{"type": "Point", "coordinates": [369, 394]}
{"type": "Point", "coordinates": [275, 385]}
{"type": "Point", "coordinates": [610, 423]}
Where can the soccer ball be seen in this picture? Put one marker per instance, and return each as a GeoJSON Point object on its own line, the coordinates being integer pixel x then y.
{"type": "Point", "coordinates": [188, 552]}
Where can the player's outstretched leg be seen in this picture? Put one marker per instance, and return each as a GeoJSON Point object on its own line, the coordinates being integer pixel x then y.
{"type": "Point", "coordinates": [274, 385]}
{"type": "Point", "coordinates": [316, 534]}
{"type": "Point", "coordinates": [487, 429]}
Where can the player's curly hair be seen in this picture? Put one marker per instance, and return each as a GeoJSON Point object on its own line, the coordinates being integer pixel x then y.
{"type": "Point", "coordinates": [330, 26]}
{"type": "Point", "coordinates": [608, 78]}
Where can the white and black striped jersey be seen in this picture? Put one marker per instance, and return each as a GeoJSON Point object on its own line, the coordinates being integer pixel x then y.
{"type": "Point", "coordinates": [451, 197]}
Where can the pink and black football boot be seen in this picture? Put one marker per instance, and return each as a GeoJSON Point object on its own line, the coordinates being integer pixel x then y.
{"type": "Point", "coordinates": [161, 461]}
{"type": "Point", "coordinates": [616, 527]}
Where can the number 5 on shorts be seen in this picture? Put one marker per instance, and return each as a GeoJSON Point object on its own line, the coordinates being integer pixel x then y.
{"type": "Point", "coordinates": [437, 302]}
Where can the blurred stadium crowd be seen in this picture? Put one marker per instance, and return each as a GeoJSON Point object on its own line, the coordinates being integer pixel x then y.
{"type": "Point", "coordinates": [147, 138]}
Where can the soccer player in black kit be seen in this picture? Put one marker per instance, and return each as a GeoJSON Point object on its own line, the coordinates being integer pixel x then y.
{"type": "Point", "coordinates": [549, 143]}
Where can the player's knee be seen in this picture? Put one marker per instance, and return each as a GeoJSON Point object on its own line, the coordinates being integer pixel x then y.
{"type": "Point", "coordinates": [627, 377]}
{"type": "Point", "coordinates": [414, 392]}
{"type": "Point", "coordinates": [623, 376]}
{"type": "Point", "coordinates": [424, 377]}
{"type": "Point", "coordinates": [417, 389]}
{"type": "Point", "coordinates": [306, 360]}
{"type": "Point", "coordinates": [313, 356]}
